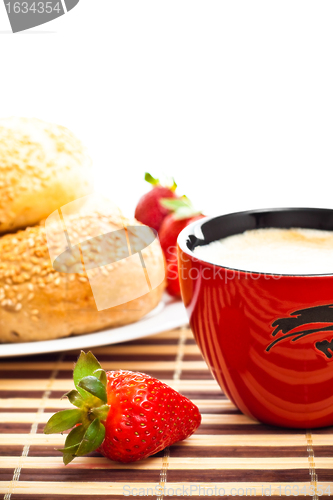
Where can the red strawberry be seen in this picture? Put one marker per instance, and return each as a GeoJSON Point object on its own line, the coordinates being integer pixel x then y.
{"type": "Point", "coordinates": [173, 286]}
{"type": "Point", "coordinates": [149, 211]}
{"type": "Point", "coordinates": [183, 214]}
{"type": "Point", "coordinates": [126, 416]}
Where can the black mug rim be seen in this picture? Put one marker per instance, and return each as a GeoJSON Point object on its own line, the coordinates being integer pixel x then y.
{"type": "Point", "coordinates": [200, 232]}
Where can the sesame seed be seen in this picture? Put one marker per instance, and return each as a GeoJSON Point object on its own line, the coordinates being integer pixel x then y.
{"type": "Point", "coordinates": [26, 266]}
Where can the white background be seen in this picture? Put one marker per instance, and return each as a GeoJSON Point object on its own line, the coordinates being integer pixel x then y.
{"type": "Point", "coordinates": [232, 98]}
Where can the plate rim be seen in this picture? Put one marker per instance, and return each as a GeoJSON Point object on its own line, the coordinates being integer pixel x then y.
{"type": "Point", "coordinates": [170, 314]}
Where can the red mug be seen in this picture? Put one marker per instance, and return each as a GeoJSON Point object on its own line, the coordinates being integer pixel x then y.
{"type": "Point", "coordinates": [267, 338]}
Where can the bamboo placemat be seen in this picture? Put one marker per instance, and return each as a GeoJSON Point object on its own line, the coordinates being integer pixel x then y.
{"type": "Point", "coordinates": [230, 455]}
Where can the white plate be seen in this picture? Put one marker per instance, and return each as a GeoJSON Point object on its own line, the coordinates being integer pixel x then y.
{"type": "Point", "coordinates": [167, 315]}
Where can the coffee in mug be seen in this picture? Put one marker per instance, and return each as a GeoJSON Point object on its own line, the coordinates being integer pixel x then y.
{"type": "Point", "coordinates": [273, 250]}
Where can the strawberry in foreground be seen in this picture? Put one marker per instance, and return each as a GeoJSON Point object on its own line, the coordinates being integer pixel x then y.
{"type": "Point", "coordinates": [149, 211]}
{"type": "Point", "coordinates": [126, 416]}
{"type": "Point", "coordinates": [182, 214]}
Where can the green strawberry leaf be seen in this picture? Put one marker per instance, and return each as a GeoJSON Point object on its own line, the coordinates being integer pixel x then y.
{"type": "Point", "coordinates": [90, 381]}
{"type": "Point", "coordinates": [86, 365]}
{"type": "Point", "coordinates": [70, 449]}
{"type": "Point", "coordinates": [101, 412]}
{"type": "Point", "coordinates": [101, 375]}
{"type": "Point", "coordinates": [176, 203]}
{"type": "Point", "coordinates": [75, 398]}
{"type": "Point", "coordinates": [94, 386]}
{"type": "Point", "coordinates": [185, 213]}
{"type": "Point", "coordinates": [149, 178]}
{"type": "Point", "coordinates": [72, 443]}
{"type": "Point", "coordinates": [67, 458]}
{"type": "Point", "coordinates": [63, 420]}
{"type": "Point", "coordinates": [182, 208]}
{"type": "Point", "coordinates": [69, 453]}
{"type": "Point", "coordinates": [75, 436]}
{"type": "Point", "coordinates": [173, 187]}
{"type": "Point", "coordinates": [168, 182]}
{"type": "Point", "coordinates": [92, 439]}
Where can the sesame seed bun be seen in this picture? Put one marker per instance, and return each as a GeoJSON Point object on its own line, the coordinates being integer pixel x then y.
{"type": "Point", "coordinates": [39, 302]}
{"type": "Point", "coordinates": [42, 167]}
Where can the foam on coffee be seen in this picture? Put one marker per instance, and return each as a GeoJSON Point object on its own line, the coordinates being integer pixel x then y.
{"type": "Point", "coordinates": [273, 250]}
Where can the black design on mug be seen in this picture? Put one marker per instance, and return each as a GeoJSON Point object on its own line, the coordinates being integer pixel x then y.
{"type": "Point", "coordinates": [305, 317]}
{"type": "Point", "coordinates": [325, 347]}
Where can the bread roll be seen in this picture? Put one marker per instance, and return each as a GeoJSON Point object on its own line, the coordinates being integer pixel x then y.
{"type": "Point", "coordinates": [38, 302]}
{"type": "Point", "coordinates": [42, 167]}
